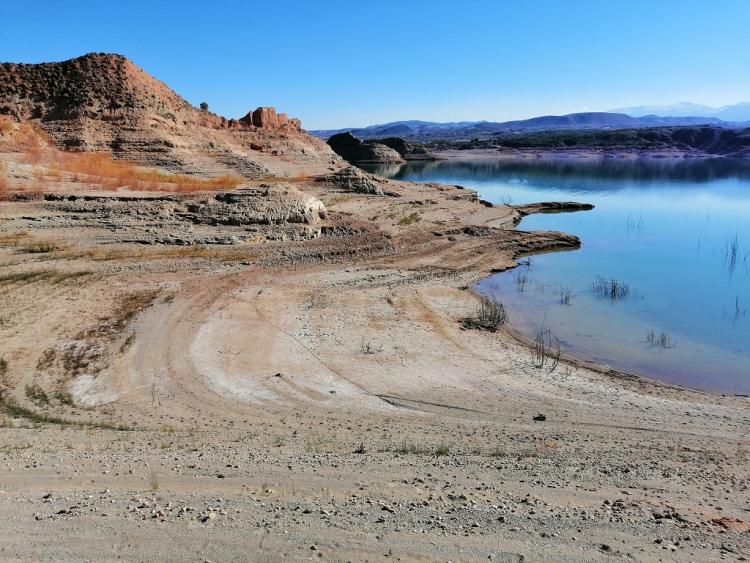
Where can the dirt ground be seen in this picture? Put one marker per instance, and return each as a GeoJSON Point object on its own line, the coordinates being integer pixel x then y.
{"type": "Point", "coordinates": [186, 379]}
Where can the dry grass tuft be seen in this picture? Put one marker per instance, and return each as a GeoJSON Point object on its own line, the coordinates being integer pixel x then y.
{"type": "Point", "coordinates": [4, 182]}
{"type": "Point", "coordinates": [13, 239]}
{"type": "Point", "coordinates": [44, 247]}
{"type": "Point", "coordinates": [410, 219]}
{"type": "Point", "coordinates": [6, 125]}
{"type": "Point", "coordinates": [4, 188]}
{"type": "Point", "coordinates": [128, 308]}
{"type": "Point", "coordinates": [21, 137]}
{"type": "Point", "coordinates": [101, 169]}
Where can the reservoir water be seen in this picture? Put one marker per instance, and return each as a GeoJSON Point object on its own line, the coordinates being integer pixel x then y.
{"type": "Point", "coordinates": [674, 232]}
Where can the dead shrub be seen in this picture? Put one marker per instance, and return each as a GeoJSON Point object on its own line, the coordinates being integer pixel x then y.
{"type": "Point", "coordinates": [545, 351]}
{"type": "Point", "coordinates": [489, 315]}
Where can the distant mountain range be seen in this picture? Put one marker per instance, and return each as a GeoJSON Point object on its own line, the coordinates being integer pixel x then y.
{"type": "Point", "coordinates": [735, 113]}
{"type": "Point", "coordinates": [428, 130]}
{"type": "Point", "coordinates": [629, 118]}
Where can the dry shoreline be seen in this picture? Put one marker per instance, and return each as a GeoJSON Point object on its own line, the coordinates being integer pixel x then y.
{"type": "Point", "coordinates": [316, 397]}
{"type": "Point", "coordinates": [566, 207]}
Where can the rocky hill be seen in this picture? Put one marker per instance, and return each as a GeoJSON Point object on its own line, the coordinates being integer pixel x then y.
{"type": "Point", "coordinates": [355, 150]}
{"type": "Point", "coordinates": [390, 150]}
{"type": "Point", "coordinates": [104, 102]}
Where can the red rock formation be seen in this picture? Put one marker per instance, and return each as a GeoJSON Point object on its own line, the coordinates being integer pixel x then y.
{"type": "Point", "coordinates": [267, 118]}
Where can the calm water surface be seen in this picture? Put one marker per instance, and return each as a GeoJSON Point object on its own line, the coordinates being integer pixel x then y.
{"type": "Point", "coordinates": [677, 232]}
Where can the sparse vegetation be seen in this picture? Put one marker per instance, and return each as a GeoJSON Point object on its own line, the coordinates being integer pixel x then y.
{"type": "Point", "coordinates": [154, 484]}
{"type": "Point", "coordinates": [204, 106]}
{"type": "Point", "coordinates": [410, 219]}
{"type": "Point", "coordinates": [545, 351]}
{"type": "Point", "coordinates": [662, 340]}
{"type": "Point", "coordinates": [11, 408]}
{"type": "Point", "coordinates": [566, 295]}
{"type": "Point", "coordinates": [26, 277]}
{"type": "Point", "coordinates": [613, 289]}
{"type": "Point", "coordinates": [129, 306]}
{"type": "Point", "coordinates": [368, 348]}
{"type": "Point", "coordinates": [42, 248]}
{"type": "Point", "coordinates": [332, 200]}
{"type": "Point", "coordinates": [4, 186]}
{"type": "Point", "coordinates": [441, 450]}
{"type": "Point", "coordinates": [13, 239]}
{"type": "Point", "coordinates": [36, 394]}
{"type": "Point", "coordinates": [5, 384]}
{"type": "Point", "coordinates": [408, 449]}
{"type": "Point", "coordinates": [14, 410]}
{"type": "Point", "coordinates": [414, 449]}
{"type": "Point", "coordinates": [64, 397]}
{"type": "Point", "coordinates": [6, 125]}
{"type": "Point", "coordinates": [539, 417]}
{"type": "Point", "coordinates": [731, 253]}
{"type": "Point", "coordinates": [489, 315]}
{"type": "Point", "coordinates": [100, 169]}
{"type": "Point", "coordinates": [522, 278]}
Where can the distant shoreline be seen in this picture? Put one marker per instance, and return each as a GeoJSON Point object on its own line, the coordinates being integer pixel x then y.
{"type": "Point", "coordinates": [573, 154]}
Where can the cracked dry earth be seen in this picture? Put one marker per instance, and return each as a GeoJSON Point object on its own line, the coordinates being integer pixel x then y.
{"type": "Point", "coordinates": [318, 398]}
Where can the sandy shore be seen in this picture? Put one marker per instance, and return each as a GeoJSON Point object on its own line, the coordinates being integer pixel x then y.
{"type": "Point", "coordinates": [320, 398]}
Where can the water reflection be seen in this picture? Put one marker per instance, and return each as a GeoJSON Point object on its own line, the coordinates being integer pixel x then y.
{"type": "Point", "coordinates": [561, 171]}
{"type": "Point", "coordinates": [674, 231]}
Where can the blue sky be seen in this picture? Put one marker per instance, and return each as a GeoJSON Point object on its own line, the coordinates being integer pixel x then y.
{"type": "Point", "coordinates": [357, 62]}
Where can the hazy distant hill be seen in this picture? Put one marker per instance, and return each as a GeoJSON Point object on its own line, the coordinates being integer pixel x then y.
{"type": "Point", "coordinates": [427, 130]}
{"type": "Point", "coordinates": [710, 140]}
{"type": "Point", "coordinates": [735, 113]}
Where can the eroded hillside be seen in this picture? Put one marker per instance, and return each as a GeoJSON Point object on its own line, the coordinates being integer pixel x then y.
{"type": "Point", "coordinates": [103, 102]}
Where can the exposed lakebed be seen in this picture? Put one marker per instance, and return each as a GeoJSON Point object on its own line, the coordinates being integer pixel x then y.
{"type": "Point", "coordinates": [674, 232]}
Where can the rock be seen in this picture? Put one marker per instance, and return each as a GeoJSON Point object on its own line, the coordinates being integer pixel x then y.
{"type": "Point", "coordinates": [267, 118]}
{"type": "Point", "coordinates": [352, 179]}
{"type": "Point", "coordinates": [280, 203]}
{"type": "Point", "coordinates": [352, 149]}
{"type": "Point", "coordinates": [552, 207]}
{"type": "Point", "coordinates": [406, 150]}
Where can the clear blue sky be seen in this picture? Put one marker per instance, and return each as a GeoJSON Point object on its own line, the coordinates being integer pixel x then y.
{"type": "Point", "coordinates": [357, 62]}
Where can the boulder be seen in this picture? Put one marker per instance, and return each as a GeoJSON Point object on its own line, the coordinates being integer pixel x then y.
{"type": "Point", "coordinates": [268, 205]}
{"type": "Point", "coordinates": [352, 179]}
